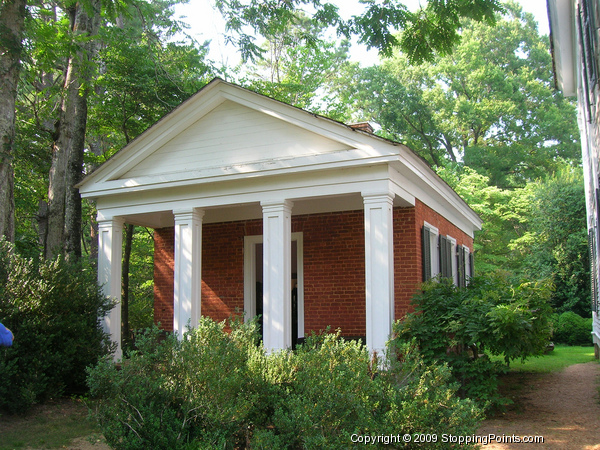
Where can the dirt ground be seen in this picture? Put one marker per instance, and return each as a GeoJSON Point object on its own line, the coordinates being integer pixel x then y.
{"type": "Point", "coordinates": [563, 407]}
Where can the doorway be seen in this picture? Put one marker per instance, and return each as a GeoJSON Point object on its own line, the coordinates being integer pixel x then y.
{"type": "Point", "coordinates": [253, 282]}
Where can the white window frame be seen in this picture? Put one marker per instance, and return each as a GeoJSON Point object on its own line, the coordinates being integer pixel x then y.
{"type": "Point", "coordinates": [454, 264]}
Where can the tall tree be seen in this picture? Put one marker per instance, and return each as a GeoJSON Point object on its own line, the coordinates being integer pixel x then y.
{"type": "Point", "coordinates": [12, 24]}
{"type": "Point", "coordinates": [64, 202]}
{"type": "Point", "coordinates": [431, 29]}
{"type": "Point", "coordinates": [299, 65]}
{"type": "Point", "coordinates": [66, 53]}
{"type": "Point", "coordinates": [490, 104]}
{"type": "Point", "coordinates": [556, 243]}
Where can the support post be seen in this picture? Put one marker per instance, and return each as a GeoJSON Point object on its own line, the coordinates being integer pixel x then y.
{"type": "Point", "coordinates": [277, 274]}
{"type": "Point", "coordinates": [379, 269]}
{"type": "Point", "coordinates": [110, 250]}
{"type": "Point", "coordinates": [188, 270]}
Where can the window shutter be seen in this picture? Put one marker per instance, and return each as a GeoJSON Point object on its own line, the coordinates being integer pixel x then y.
{"type": "Point", "coordinates": [589, 29]}
{"type": "Point", "coordinates": [462, 277]}
{"type": "Point", "coordinates": [449, 273]}
{"type": "Point", "coordinates": [588, 72]}
{"type": "Point", "coordinates": [442, 251]}
{"type": "Point", "coordinates": [426, 235]}
{"type": "Point", "coordinates": [471, 264]}
{"type": "Point", "coordinates": [445, 257]}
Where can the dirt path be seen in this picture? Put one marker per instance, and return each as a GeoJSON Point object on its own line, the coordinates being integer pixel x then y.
{"type": "Point", "coordinates": [563, 407]}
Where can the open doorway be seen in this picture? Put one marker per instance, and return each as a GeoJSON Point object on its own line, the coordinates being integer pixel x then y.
{"type": "Point", "coordinates": [253, 283]}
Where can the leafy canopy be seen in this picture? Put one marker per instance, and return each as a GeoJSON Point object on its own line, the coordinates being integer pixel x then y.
{"type": "Point", "coordinates": [489, 105]}
{"type": "Point", "coordinates": [432, 29]}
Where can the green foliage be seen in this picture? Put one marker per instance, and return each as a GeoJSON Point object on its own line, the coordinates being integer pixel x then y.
{"type": "Point", "coordinates": [537, 232]}
{"type": "Point", "coordinates": [141, 280]}
{"type": "Point", "coordinates": [572, 329]}
{"type": "Point", "coordinates": [461, 327]}
{"type": "Point", "coordinates": [218, 389]}
{"type": "Point", "coordinates": [556, 245]}
{"type": "Point", "coordinates": [52, 308]}
{"type": "Point", "coordinates": [140, 73]}
{"type": "Point", "coordinates": [429, 30]}
{"type": "Point", "coordinates": [504, 214]}
{"type": "Point", "coordinates": [299, 66]}
{"type": "Point", "coordinates": [490, 105]}
{"type": "Point", "coordinates": [171, 393]}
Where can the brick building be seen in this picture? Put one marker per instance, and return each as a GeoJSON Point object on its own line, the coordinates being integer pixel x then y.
{"type": "Point", "coordinates": [262, 208]}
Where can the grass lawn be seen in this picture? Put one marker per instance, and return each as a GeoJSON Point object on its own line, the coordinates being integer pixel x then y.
{"type": "Point", "coordinates": [562, 356]}
{"type": "Point", "coordinates": [52, 425]}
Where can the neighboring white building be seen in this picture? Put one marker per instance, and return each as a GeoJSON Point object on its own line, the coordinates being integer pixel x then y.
{"type": "Point", "coordinates": [574, 39]}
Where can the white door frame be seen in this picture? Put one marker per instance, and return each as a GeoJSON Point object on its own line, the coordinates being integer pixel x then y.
{"type": "Point", "coordinates": [250, 276]}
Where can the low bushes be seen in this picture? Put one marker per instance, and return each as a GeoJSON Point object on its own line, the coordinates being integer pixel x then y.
{"type": "Point", "coordinates": [52, 308]}
{"type": "Point", "coordinates": [572, 329]}
{"type": "Point", "coordinates": [461, 327]}
{"type": "Point", "coordinates": [220, 390]}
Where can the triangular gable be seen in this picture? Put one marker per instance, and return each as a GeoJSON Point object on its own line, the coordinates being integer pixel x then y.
{"type": "Point", "coordinates": [232, 135]}
{"type": "Point", "coordinates": [223, 126]}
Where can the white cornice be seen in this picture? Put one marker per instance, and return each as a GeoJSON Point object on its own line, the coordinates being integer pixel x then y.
{"type": "Point", "coordinates": [563, 31]}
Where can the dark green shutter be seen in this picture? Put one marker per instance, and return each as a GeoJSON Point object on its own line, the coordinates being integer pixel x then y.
{"type": "Point", "coordinates": [462, 276]}
{"type": "Point", "coordinates": [471, 264]}
{"type": "Point", "coordinates": [445, 257]}
{"type": "Point", "coordinates": [426, 235]}
{"type": "Point", "coordinates": [449, 273]}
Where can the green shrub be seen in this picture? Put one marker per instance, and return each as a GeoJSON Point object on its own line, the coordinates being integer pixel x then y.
{"type": "Point", "coordinates": [169, 394]}
{"type": "Point", "coordinates": [337, 392]}
{"type": "Point", "coordinates": [220, 390]}
{"type": "Point", "coordinates": [572, 329]}
{"type": "Point", "coordinates": [52, 308]}
{"type": "Point", "coordinates": [459, 326]}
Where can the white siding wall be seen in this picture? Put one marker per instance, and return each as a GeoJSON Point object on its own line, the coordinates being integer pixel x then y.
{"type": "Point", "coordinates": [233, 134]}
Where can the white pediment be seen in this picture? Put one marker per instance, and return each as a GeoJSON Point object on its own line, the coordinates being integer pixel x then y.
{"type": "Point", "coordinates": [231, 135]}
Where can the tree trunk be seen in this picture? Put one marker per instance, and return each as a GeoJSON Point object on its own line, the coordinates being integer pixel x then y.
{"type": "Point", "coordinates": [125, 331]}
{"type": "Point", "coordinates": [64, 201]}
{"type": "Point", "coordinates": [12, 18]}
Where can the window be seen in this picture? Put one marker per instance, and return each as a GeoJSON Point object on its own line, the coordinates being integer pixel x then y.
{"type": "Point", "coordinates": [442, 256]}
{"type": "Point", "coordinates": [430, 252]}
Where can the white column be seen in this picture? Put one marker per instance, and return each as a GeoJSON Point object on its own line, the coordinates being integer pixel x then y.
{"type": "Point", "coordinates": [188, 270]}
{"type": "Point", "coordinates": [110, 250]}
{"type": "Point", "coordinates": [277, 274]}
{"type": "Point", "coordinates": [379, 269]}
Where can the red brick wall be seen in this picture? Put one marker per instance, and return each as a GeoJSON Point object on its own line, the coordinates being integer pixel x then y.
{"type": "Point", "coordinates": [426, 214]}
{"type": "Point", "coordinates": [164, 262]}
{"type": "Point", "coordinates": [407, 259]}
{"type": "Point", "coordinates": [223, 267]}
{"type": "Point", "coordinates": [334, 271]}
{"type": "Point", "coordinates": [408, 262]}
{"type": "Point", "coordinates": [334, 266]}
